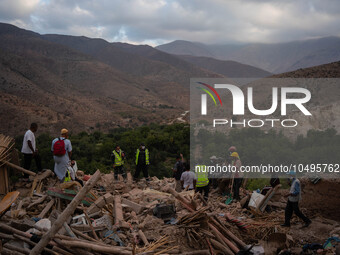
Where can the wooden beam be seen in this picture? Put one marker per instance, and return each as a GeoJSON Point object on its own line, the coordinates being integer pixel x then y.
{"type": "Point", "coordinates": [19, 168]}
{"type": "Point", "coordinates": [118, 210]}
{"type": "Point", "coordinates": [97, 247]}
{"type": "Point", "coordinates": [65, 214]}
{"type": "Point", "coordinates": [46, 209]}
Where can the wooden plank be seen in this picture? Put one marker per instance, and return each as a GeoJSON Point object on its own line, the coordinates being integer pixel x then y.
{"type": "Point", "coordinates": [3, 180]}
{"type": "Point", "coordinates": [59, 194]}
{"type": "Point", "coordinates": [134, 206]}
{"type": "Point", "coordinates": [7, 201]}
{"type": "Point", "coordinates": [40, 200]}
{"type": "Point", "coordinates": [46, 209]}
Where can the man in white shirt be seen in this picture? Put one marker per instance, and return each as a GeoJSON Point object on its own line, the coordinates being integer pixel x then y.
{"type": "Point", "coordinates": [29, 149]}
{"type": "Point", "coordinates": [188, 178]}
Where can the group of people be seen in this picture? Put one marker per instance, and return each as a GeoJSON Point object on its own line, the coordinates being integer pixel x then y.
{"type": "Point", "coordinates": [142, 162]}
{"type": "Point", "coordinates": [65, 167]}
{"type": "Point", "coordinates": [199, 179]}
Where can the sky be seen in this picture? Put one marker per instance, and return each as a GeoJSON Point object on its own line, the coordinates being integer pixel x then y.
{"type": "Point", "coordinates": [156, 22]}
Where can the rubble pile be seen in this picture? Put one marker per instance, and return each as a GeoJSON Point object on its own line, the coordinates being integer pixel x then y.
{"type": "Point", "coordinates": [126, 217]}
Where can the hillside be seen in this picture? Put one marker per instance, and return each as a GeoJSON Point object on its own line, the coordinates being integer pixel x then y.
{"type": "Point", "coordinates": [324, 104]}
{"type": "Point", "coordinates": [226, 68]}
{"type": "Point", "coordinates": [275, 58]}
{"type": "Point", "coordinates": [58, 86]}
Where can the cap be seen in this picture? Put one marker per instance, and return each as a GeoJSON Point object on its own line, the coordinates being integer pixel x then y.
{"type": "Point", "coordinates": [235, 154]}
{"type": "Point", "coordinates": [64, 131]}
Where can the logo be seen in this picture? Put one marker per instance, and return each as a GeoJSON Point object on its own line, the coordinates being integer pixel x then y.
{"type": "Point", "coordinates": [281, 97]}
{"type": "Point", "coordinates": [238, 99]}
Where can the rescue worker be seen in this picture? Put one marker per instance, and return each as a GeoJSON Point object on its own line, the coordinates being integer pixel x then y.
{"type": "Point", "coordinates": [142, 162]}
{"type": "Point", "coordinates": [238, 175]}
{"type": "Point", "coordinates": [202, 180]}
{"type": "Point", "coordinates": [294, 197]}
{"type": "Point", "coordinates": [118, 157]}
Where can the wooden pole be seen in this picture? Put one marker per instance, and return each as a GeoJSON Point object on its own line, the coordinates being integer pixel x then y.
{"type": "Point", "coordinates": [186, 204]}
{"type": "Point", "coordinates": [19, 168]}
{"type": "Point", "coordinates": [97, 247]}
{"type": "Point", "coordinates": [65, 214]}
{"type": "Point", "coordinates": [46, 209]}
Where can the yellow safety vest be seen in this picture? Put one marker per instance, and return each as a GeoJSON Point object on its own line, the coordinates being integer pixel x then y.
{"type": "Point", "coordinates": [67, 176]}
{"type": "Point", "coordinates": [146, 156]}
{"type": "Point", "coordinates": [202, 176]}
{"type": "Point", "coordinates": [118, 158]}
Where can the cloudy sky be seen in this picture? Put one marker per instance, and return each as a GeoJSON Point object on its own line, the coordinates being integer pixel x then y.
{"type": "Point", "coordinates": [159, 21]}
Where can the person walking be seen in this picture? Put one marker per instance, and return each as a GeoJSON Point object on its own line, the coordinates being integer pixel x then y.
{"type": "Point", "coordinates": [118, 157]}
{"type": "Point", "coordinates": [142, 162]}
{"type": "Point", "coordinates": [294, 196]}
{"type": "Point", "coordinates": [29, 149]}
{"type": "Point", "coordinates": [62, 153]}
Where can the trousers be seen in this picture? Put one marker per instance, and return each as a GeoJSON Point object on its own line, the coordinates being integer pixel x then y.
{"type": "Point", "coordinates": [28, 160]}
{"type": "Point", "coordinates": [144, 169]}
{"type": "Point", "coordinates": [294, 207]}
{"type": "Point", "coordinates": [119, 170]}
{"type": "Point", "coordinates": [205, 190]}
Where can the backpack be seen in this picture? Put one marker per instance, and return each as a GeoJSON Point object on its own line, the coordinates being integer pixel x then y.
{"type": "Point", "coordinates": [59, 148]}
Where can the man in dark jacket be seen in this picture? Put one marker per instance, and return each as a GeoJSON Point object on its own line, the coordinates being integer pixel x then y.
{"type": "Point", "coordinates": [177, 172]}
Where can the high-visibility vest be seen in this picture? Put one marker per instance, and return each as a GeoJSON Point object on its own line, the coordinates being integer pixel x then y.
{"type": "Point", "coordinates": [67, 176]}
{"type": "Point", "coordinates": [118, 158]}
{"type": "Point", "coordinates": [146, 156]}
{"type": "Point", "coordinates": [202, 176]}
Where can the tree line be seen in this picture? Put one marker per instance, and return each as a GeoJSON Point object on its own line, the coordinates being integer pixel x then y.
{"type": "Point", "coordinates": [92, 150]}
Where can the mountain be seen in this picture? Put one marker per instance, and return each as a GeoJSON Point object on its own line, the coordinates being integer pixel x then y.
{"type": "Point", "coordinates": [136, 60]}
{"type": "Point", "coordinates": [275, 58]}
{"type": "Point", "coordinates": [85, 87]}
{"type": "Point", "coordinates": [226, 68]}
{"type": "Point", "coordinates": [322, 82]}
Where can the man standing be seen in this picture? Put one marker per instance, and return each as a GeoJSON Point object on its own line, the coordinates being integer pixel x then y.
{"type": "Point", "coordinates": [188, 179]}
{"type": "Point", "coordinates": [294, 197]}
{"type": "Point", "coordinates": [118, 157]}
{"type": "Point", "coordinates": [202, 180]}
{"type": "Point", "coordinates": [177, 172]}
{"type": "Point", "coordinates": [142, 162]}
{"type": "Point", "coordinates": [62, 152]}
{"type": "Point", "coordinates": [238, 175]}
{"type": "Point", "coordinates": [29, 149]}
